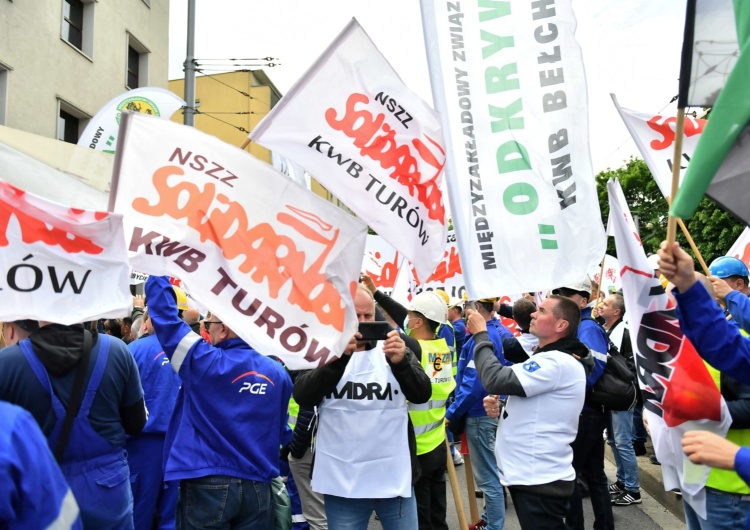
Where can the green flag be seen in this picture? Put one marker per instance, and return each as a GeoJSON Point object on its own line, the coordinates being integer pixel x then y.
{"type": "Point", "coordinates": [722, 157]}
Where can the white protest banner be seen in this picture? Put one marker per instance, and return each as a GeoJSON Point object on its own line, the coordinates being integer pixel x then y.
{"type": "Point", "coordinates": [654, 135]}
{"type": "Point", "coordinates": [741, 247]}
{"type": "Point", "coordinates": [101, 132]}
{"type": "Point", "coordinates": [60, 264]}
{"type": "Point", "coordinates": [509, 83]}
{"type": "Point", "coordinates": [277, 263]}
{"type": "Point", "coordinates": [352, 123]}
{"type": "Point", "coordinates": [381, 263]}
{"type": "Point", "coordinates": [137, 278]}
{"type": "Point", "coordinates": [611, 272]}
{"type": "Point", "coordinates": [679, 394]}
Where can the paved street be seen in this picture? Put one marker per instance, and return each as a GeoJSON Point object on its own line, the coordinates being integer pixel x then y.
{"type": "Point", "coordinates": [650, 515]}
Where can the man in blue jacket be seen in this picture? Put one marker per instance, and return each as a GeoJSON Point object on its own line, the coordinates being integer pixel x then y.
{"type": "Point", "coordinates": [481, 429]}
{"type": "Point", "coordinates": [33, 491]}
{"type": "Point", "coordinates": [153, 499]}
{"type": "Point", "coordinates": [588, 447]}
{"type": "Point", "coordinates": [229, 421]}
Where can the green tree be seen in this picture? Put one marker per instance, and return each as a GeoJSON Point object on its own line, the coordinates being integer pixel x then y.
{"type": "Point", "coordinates": [713, 230]}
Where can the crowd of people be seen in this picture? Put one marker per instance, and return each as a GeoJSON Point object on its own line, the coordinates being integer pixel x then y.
{"type": "Point", "coordinates": [167, 419]}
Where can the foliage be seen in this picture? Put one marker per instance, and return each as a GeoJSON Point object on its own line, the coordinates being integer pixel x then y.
{"type": "Point", "coordinates": [713, 230]}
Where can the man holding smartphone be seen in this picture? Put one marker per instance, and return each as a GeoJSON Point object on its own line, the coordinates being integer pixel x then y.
{"type": "Point", "coordinates": [365, 447]}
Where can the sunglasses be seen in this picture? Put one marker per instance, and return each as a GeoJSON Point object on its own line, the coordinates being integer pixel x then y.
{"type": "Point", "coordinates": [207, 324]}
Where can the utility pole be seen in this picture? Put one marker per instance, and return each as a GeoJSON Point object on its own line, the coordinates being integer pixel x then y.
{"type": "Point", "coordinates": [189, 67]}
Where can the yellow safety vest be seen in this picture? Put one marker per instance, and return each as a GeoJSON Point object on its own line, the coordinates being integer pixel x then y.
{"type": "Point", "coordinates": [429, 418]}
{"type": "Point", "coordinates": [722, 479]}
{"type": "Point", "coordinates": [293, 412]}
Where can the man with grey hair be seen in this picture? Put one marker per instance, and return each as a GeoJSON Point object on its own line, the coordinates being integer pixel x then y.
{"type": "Point", "coordinates": [626, 490]}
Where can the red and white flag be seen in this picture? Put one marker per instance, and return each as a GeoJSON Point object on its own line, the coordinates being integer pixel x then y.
{"type": "Point", "coordinates": [352, 123]}
{"type": "Point", "coordinates": [654, 135]}
{"type": "Point", "coordinates": [741, 247]}
{"type": "Point", "coordinates": [60, 264]}
{"type": "Point", "coordinates": [679, 394]}
{"type": "Point", "coordinates": [277, 263]}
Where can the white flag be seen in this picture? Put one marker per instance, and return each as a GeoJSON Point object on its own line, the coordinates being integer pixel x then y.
{"type": "Point", "coordinates": [277, 263]}
{"type": "Point", "coordinates": [101, 131]}
{"type": "Point", "coordinates": [679, 394]}
{"type": "Point", "coordinates": [60, 264]}
{"type": "Point", "coordinates": [509, 83]}
{"type": "Point", "coordinates": [654, 135]}
{"type": "Point", "coordinates": [741, 247]}
{"type": "Point", "coordinates": [352, 123]}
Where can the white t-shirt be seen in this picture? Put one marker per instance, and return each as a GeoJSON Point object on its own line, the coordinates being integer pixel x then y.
{"type": "Point", "coordinates": [535, 432]}
{"type": "Point", "coordinates": [617, 333]}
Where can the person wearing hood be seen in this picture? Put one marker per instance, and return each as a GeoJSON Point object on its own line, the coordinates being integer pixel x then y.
{"type": "Point", "coordinates": [58, 367]}
{"type": "Point", "coordinates": [539, 421]}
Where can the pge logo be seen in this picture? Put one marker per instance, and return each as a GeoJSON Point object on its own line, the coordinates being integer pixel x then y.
{"type": "Point", "coordinates": [254, 387]}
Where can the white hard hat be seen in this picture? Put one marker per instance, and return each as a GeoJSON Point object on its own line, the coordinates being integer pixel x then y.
{"type": "Point", "coordinates": [431, 305]}
{"type": "Point", "coordinates": [581, 287]}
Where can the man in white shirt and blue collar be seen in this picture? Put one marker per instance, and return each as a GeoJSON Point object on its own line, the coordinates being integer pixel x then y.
{"type": "Point", "coordinates": [540, 419]}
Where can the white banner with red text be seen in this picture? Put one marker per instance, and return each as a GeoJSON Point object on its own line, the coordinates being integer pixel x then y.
{"type": "Point", "coordinates": [654, 135]}
{"type": "Point", "coordinates": [678, 392]}
{"type": "Point", "coordinates": [352, 123]}
{"type": "Point", "coordinates": [277, 263]}
{"type": "Point", "coordinates": [508, 80]}
{"type": "Point", "coordinates": [60, 264]}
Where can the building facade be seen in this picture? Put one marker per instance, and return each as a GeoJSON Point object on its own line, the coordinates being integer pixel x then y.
{"type": "Point", "coordinates": [62, 60]}
{"type": "Point", "coordinates": [230, 105]}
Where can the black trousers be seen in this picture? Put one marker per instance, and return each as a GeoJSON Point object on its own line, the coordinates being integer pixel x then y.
{"type": "Point", "coordinates": [588, 462]}
{"type": "Point", "coordinates": [539, 512]}
{"type": "Point", "coordinates": [430, 489]}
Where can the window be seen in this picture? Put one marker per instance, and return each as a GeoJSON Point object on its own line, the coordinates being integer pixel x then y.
{"type": "Point", "coordinates": [78, 25]}
{"type": "Point", "coordinates": [133, 60]}
{"type": "Point", "coordinates": [4, 73]}
{"type": "Point", "coordinates": [137, 64]}
{"type": "Point", "coordinates": [70, 122]}
{"type": "Point", "coordinates": [73, 22]}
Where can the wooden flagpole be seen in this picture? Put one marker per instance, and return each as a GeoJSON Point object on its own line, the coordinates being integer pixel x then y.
{"type": "Point", "coordinates": [470, 488]}
{"type": "Point", "coordinates": [456, 488]}
{"type": "Point", "coordinates": [672, 221]}
{"type": "Point", "coordinates": [244, 144]}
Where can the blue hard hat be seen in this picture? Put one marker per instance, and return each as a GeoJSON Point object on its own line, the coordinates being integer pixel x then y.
{"type": "Point", "coordinates": [727, 266]}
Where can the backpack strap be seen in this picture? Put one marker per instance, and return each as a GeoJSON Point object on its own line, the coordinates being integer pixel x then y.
{"type": "Point", "coordinates": [76, 396]}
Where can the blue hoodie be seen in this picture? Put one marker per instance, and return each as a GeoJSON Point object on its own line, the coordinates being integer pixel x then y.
{"type": "Point", "coordinates": [469, 390]}
{"type": "Point", "coordinates": [231, 413]}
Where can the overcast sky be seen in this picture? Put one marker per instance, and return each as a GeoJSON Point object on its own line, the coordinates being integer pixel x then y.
{"type": "Point", "coordinates": [630, 47]}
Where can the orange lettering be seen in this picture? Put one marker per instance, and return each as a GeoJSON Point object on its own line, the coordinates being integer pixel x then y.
{"type": "Point", "coordinates": [362, 127]}
{"type": "Point", "coordinates": [269, 256]}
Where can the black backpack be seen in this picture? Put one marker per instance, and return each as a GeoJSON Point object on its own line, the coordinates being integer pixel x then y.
{"type": "Point", "coordinates": [615, 389]}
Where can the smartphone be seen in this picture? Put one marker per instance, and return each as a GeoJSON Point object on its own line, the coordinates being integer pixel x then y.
{"type": "Point", "coordinates": [374, 330]}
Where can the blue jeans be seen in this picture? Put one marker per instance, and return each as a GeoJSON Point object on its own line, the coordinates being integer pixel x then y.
{"type": "Point", "coordinates": [397, 513]}
{"type": "Point", "coordinates": [219, 501]}
{"type": "Point", "coordinates": [621, 442]}
{"type": "Point", "coordinates": [480, 435]}
{"type": "Point", "coordinates": [725, 511]}
{"type": "Point", "coordinates": [639, 430]}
